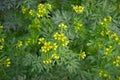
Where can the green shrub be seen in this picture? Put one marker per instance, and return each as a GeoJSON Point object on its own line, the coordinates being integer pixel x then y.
{"type": "Point", "coordinates": [81, 43]}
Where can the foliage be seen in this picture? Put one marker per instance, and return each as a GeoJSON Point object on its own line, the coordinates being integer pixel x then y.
{"type": "Point", "coordinates": [57, 41]}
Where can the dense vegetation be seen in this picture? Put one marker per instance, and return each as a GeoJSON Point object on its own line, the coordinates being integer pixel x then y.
{"type": "Point", "coordinates": [59, 40]}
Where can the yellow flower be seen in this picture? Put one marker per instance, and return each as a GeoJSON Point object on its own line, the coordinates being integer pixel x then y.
{"type": "Point", "coordinates": [1, 47]}
{"type": "Point", "coordinates": [102, 33]}
{"type": "Point", "coordinates": [110, 18]}
{"type": "Point", "coordinates": [100, 73]}
{"type": "Point", "coordinates": [99, 44]}
{"type": "Point", "coordinates": [105, 19]}
{"type": "Point", "coordinates": [117, 64]}
{"type": "Point", "coordinates": [62, 26]}
{"type": "Point", "coordinates": [41, 10]}
{"type": "Point", "coordinates": [1, 26]}
{"type": "Point", "coordinates": [116, 38]}
{"type": "Point", "coordinates": [55, 46]}
{"type": "Point", "coordinates": [8, 62]}
{"type": "Point", "coordinates": [62, 38]}
{"type": "Point", "coordinates": [118, 57]}
{"type": "Point", "coordinates": [47, 61]}
{"type": "Point", "coordinates": [118, 78]}
{"type": "Point", "coordinates": [107, 32]}
{"type": "Point", "coordinates": [105, 75]}
{"type": "Point", "coordinates": [83, 55]}
{"type": "Point", "coordinates": [31, 12]}
{"type": "Point", "coordinates": [101, 23]}
{"type": "Point", "coordinates": [110, 47]}
{"type": "Point", "coordinates": [19, 44]}
{"type": "Point", "coordinates": [55, 56]}
{"type": "Point", "coordinates": [107, 49]}
{"type": "Point", "coordinates": [41, 40]}
{"type": "Point", "coordinates": [1, 39]}
{"type": "Point", "coordinates": [78, 9]}
{"type": "Point", "coordinates": [49, 6]}
{"type": "Point", "coordinates": [46, 47]}
{"type": "Point", "coordinates": [24, 10]}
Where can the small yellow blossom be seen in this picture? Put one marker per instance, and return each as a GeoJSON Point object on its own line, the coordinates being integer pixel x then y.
{"type": "Point", "coordinates": [78, 26]}
{"type": "Point", "coordinates": [8, 62]}
{"type": "Point", "coordinates": [118, 78]}
{"type": "Point", "coordinates": [107, 32]}
{"type": "Point", "coordinates": [40, 40]}
{"type": "Point", "coordinates": [31, 12]}
{"type": "Point", "coordinates": [78, 9]}
{"type": "Point", "coordinates": [107, 49]}
{"type": "Point", "coordinates": [116, 38]}
{"type": "Point", "coordinates": [62, 38]}
{"type": "Point", "coordinates": [102, 33]}
{"type": "Point", "coordinates": [24, 10]}
{"type": "Point", "coordinates": [1, 47]}
{"type": "Point", "coordinates": [118, 57]}
{"type": "Point", "coordinates": [110, 18]}
{"type": "Point", "coordinates": [105, 19]}
{"type": "Point", "coordinates": [47, 61]}
{"type": "Point", "coordinates": [99, 44]}
{"type": "Point", "coordinates": [19, 44]}
{"type": "Point", "coordinates": [41, 10]}
{"type": "Point", "coordinates": [110, 47]}
{"type": "Point", "coordinates": [100, 73]}
{"type": "Point", "coordinates": [83, 55]}
{"type": "Point", "coordinates": [101, 23]}
{"type": "Point", "coordinates": [55, 46]}
{"type": "Point", "coordinates": [46, 47]}
{"type": "Point", "coordinates": [1, 39]}
{"type": "Point", "coordinates": [49, 7]}
{"type": "Point", "coordinates": [117, 61]}
{"type": "Point", "coordinates": [1, 26]}
{"type": "Point", "coordinates": [117, 64]}
{"type": "Point", "coordinates": [62, 26]}
{"type": "Point", "coordinates": [55, 56]}
{"type": "Point", "coordinates": [104, 74]}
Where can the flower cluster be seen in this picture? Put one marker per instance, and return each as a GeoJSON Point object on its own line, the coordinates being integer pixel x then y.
{"type": "Point", "coordinates": [30, 41]}
{"type": "Point", "coordinates": [55, 56]}
{"type": "Point", "coordinates": [42, 9]}
{"type": "Point", "coordinates": [104, 74]}
{"type": "Point", "coordinates": [1, 42]}
{"type": "Point", "coordinates": [8, 62]}
{"type": "Point", "coordinates": [35, 24]}
{"type": "Point", "coordinates": [1, 39]}
{"type": "Point", "coordinates": [62, 26]}
{"type": "Point", "coordinates": [107, 50]}
{"type": "Point", "coordinates": [103, 33]}
{"type": "Point", "coordinates": [78, 26]}
{"type": "Point", "coordinates": [24, 10]}
{"type": "Point", "coordinates": [117, 61]}
{"type": "Point", "coordinates": [99, 44]}
{"type": "Point", "coordinates": [62, 38]}
{"type": "Point", "coordinates": [78, 9]}
{"type": "Point", "coordinates": [55, 46]}
{"type": "Point", "coordinates": [47, 61]}
{"type": "Point", "coordinates": [105, 20]}
{"type": "Point", "coordinates": [31, 12]}
{"type": "Point", "coordinates": [19, 44]}
{"type": "Point", "coordinates": [46, 47]}
{"type": "Point", "coordinates": [48, 6]}
{"type": "Point", "coordinates": [41, 40]}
